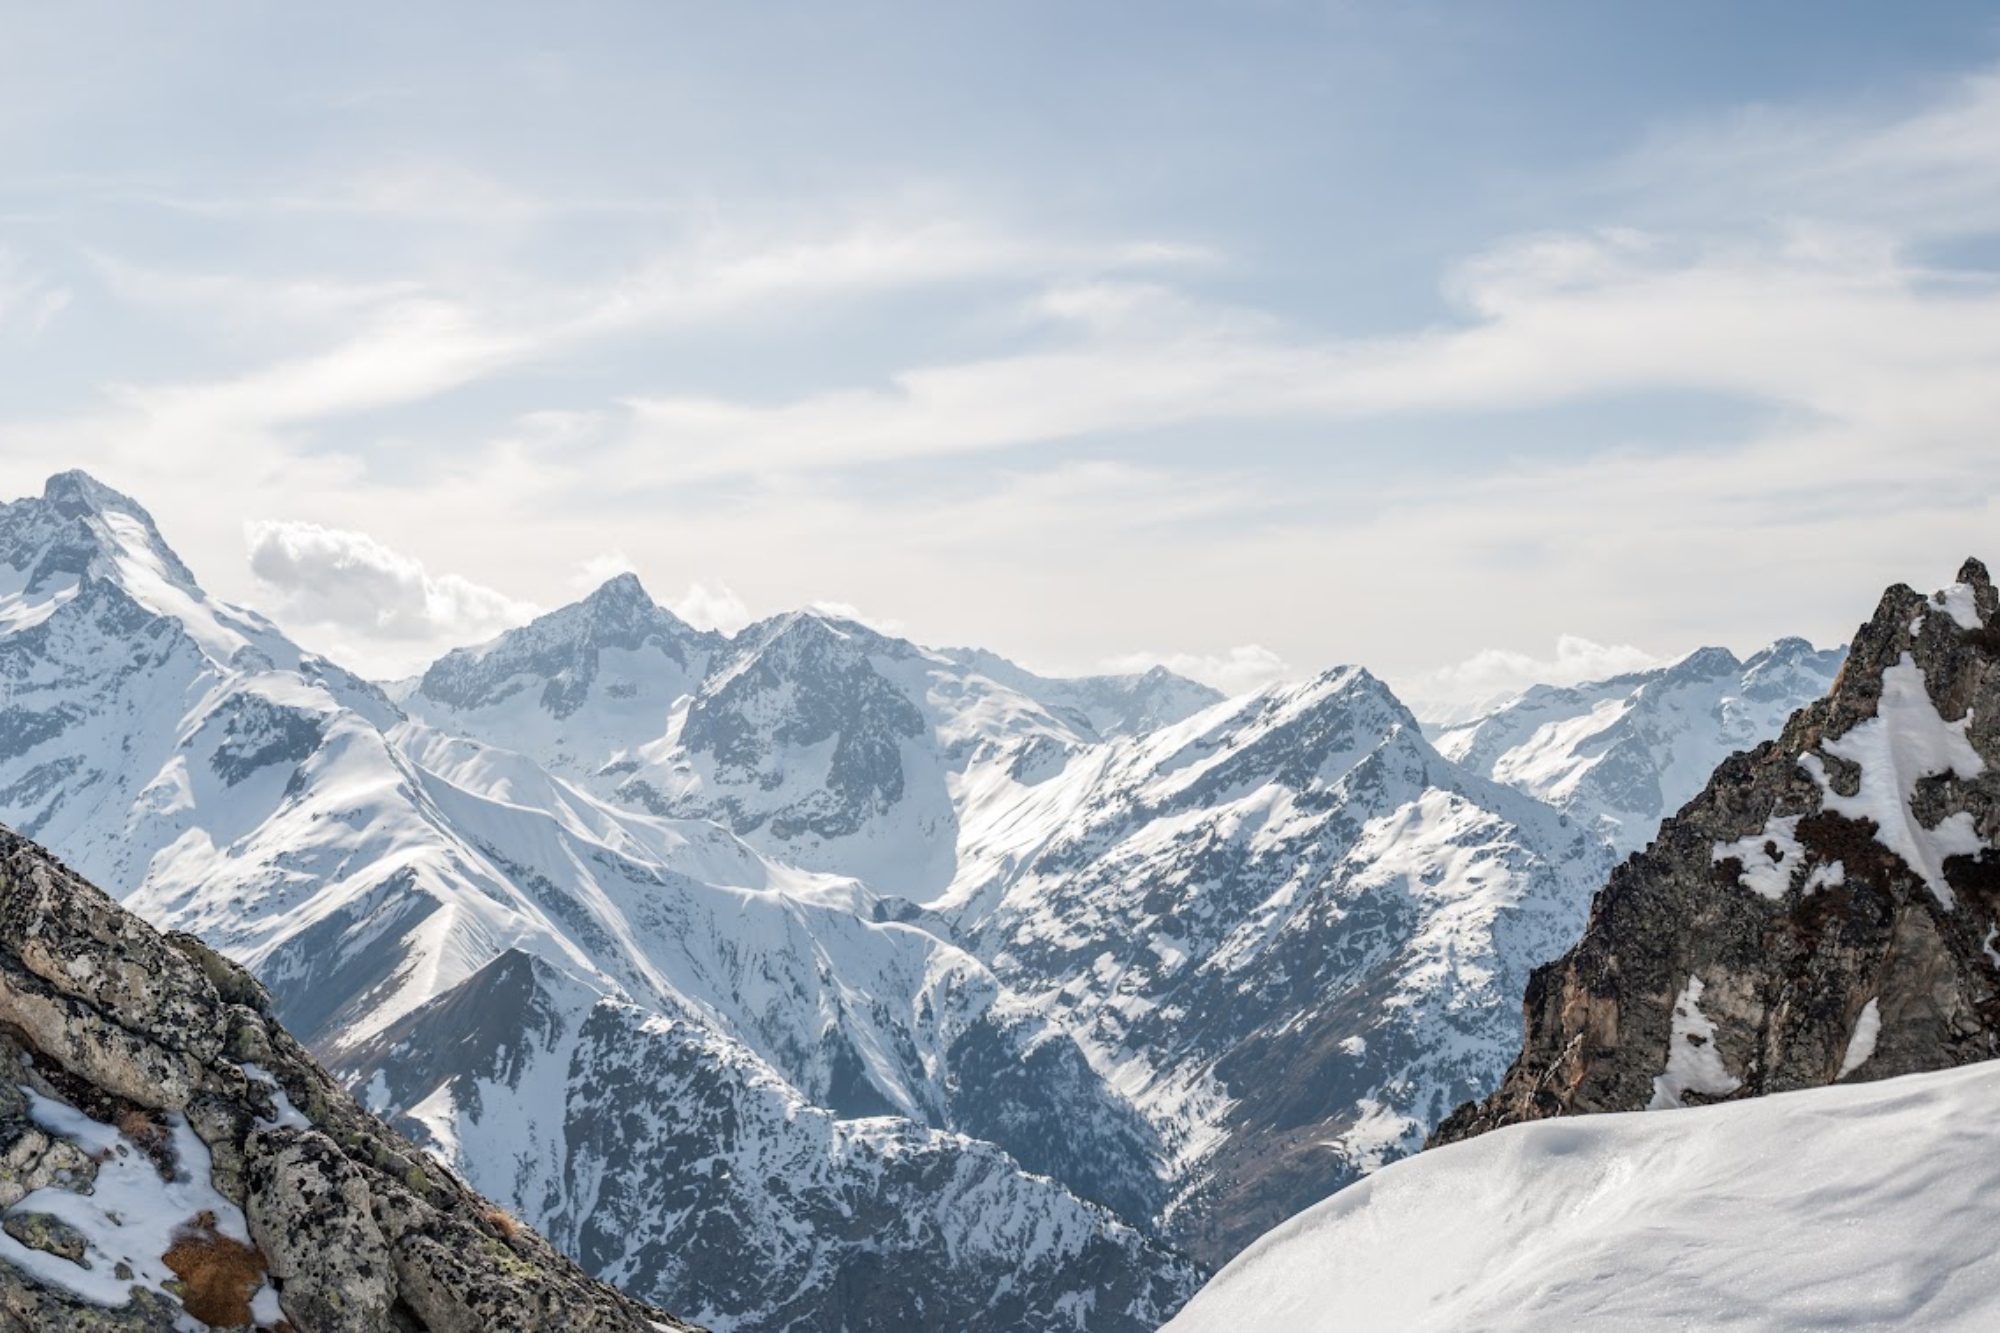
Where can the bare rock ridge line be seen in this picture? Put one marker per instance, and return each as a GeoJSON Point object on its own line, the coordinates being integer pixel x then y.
{"type": "Point", "coordinates": [1825, 911]}
{"type": "Point", "coordinates": [169, 1153]}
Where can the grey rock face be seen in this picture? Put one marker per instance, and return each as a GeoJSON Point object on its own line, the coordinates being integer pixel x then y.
{"type": "Point", "coordinates": [1825, 910]}
{"type": "Point", "coordinates": [168, 1055]}
{"type": "Point", "coordinates": [741, 720]}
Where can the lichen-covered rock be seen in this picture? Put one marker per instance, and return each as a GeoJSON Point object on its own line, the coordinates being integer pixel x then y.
{"type": "Point", "coordinates": [309, 1213]}
{"type": "Point", "coordinates": [1826, 910]}
{"type": "Point", "coordinates": [170, 1157]}
{"type": "Point", "coordinates": [51, 1235]}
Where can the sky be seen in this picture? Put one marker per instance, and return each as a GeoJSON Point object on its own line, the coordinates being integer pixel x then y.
{"type": "Point", "coordinates": [1478, 343]}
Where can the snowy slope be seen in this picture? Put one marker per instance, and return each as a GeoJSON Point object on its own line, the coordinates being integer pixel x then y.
{"type": "Point", "coordinates": [1856, 1207]}
{"type": "Point", "coordinates": [1624, 753]}
{"type": "Point", "coordinates": [667, 1157]}
{"type": "Point", "coordinates": [1286, 927]}
{"type": "Point", "coordinates": [1110, 705]}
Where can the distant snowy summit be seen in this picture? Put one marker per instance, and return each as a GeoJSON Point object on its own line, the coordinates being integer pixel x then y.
{"type": "Point", "coordinates": [1623, 754]}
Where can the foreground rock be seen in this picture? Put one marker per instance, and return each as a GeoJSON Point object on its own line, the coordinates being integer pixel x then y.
{"type": "Point", "coordinates": [1824, 912]}
{"type": "Point", "coordinates": [171, 1158]}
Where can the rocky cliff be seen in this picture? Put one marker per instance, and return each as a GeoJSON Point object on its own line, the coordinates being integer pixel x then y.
{"type": "Point", "coordinates": [1825, 911]}
{"type": "Point", "coordinates": [170, 1158]}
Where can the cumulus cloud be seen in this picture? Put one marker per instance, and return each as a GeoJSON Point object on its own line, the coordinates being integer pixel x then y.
{"type": "Point", "coordinates": [595, 571]}
{"type": "Point", "coordinates": [849, 611]}
{"type": "Point", "coordinates": [353, 583]}
{"type": "Point", "coordinates": [1494, 675]}
{"type": "Point", "coordinates": [720, 610]}
{"type": "Point", "coordinates": [1243, 668]}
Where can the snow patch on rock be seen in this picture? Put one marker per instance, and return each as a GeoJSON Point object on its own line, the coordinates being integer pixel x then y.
{"type": "Point", "coordinates": [1862, 1044]}
{"type": "Point", "coordinates": [1959, 602]}
{"type": "Point", "coordinates": [1768, 857]}
{"type": "Point", "coordinates": [1905, 742]}
{"type": "Point", "coordinates": [1693, 1063]}
{"type": "Point", "coordinates": [132, 1214]}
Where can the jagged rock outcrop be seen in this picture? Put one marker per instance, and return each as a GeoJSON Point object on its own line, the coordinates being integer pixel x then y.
{"type": "Point", "coordinates": [1826, 910]}
{"type": "Point", "coordinates": [168, 1153]}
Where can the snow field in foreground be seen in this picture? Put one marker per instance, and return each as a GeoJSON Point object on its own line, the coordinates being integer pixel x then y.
{"type": "Point", "coordinates": [1861, 1207]}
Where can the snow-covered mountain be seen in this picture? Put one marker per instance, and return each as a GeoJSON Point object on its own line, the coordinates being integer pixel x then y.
{"type": "Point", "coordinates": [1623, 754]}
{"type": "Point", "coordinates": [1286, 934]}
{"type": "Point", "coordinates": [375, 873]}
{"type": "Point", "coordinates": [1287, 927]}
{"type": "Point", "coordinates": [907, 974]}
{"type": "Point", "coordinates": [823, 742]}
{"type": "Point", "coordinates": [1847, 1207]}
{"type": "Point", "coordinates": [1766, 991]}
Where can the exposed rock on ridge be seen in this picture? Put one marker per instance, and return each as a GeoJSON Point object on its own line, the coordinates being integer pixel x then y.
{"type": "Point", "coordinates": [1825, 911]}
{"type": "Point", "coordinates": [171, 1158]}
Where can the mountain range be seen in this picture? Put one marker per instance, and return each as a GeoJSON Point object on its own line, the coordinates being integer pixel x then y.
{"type": "Point", "coordinates": [808, 977]}
{"type": "Point", "coordinates": [1778, 1029]}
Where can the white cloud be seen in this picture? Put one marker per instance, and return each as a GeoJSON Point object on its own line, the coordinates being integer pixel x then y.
{"type": "Point", "coordinates": [593, 572]}
{"type": "Point", "coordinates": [1243, 668]}
{"type": "Point", "coordinates": [849, 611]}
{"type": "Point", "coordinates": [720, 610]}
{"type": "Point", "coordinates": [382, 603]}
{"type": "Point", "coordinates": [1494, 675]}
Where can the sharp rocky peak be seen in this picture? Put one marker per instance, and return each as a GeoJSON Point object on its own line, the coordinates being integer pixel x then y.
{"type": "Point", "coordinates": [79, 526]}
{"type": "Point", "coordinates": [1824, 911]}
{"type": "Point", "coordinates": [623, 595]}
{"type": "Point", "coordinates": [1351, 687]}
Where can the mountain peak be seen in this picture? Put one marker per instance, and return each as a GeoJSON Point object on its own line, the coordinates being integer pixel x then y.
{"type": "Point", "coordinates": [80, 525]}
{"type": "Point", "coordinates": [560, 649]}
{"type": "Point", "coordinates": [75, 493]}
{"type": "Point", "coordinates": [622, 591]}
